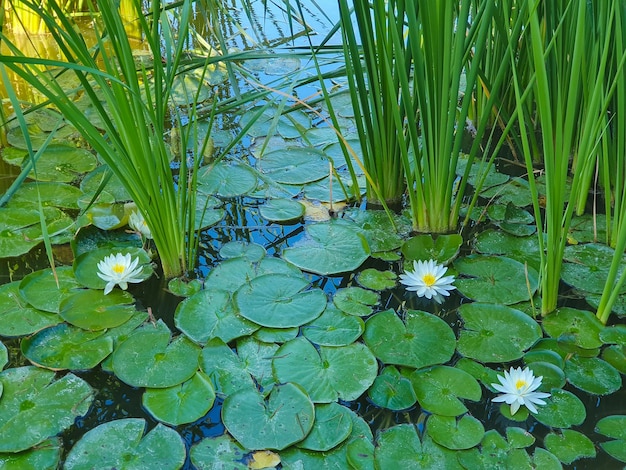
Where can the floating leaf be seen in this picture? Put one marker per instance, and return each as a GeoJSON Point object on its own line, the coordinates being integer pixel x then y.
{"type": "Point", "coordinates": [495, 279]}
{"type": "Point", "coordinates": [333, 328]}
{"type": "Point", "coordinates": [226, 179]}
{"type": "Point", "coordinates": [440, 388]}
{"type": "Point", "coordinates": [92, 310]}
{"type": "Point", "coordinates": [569, 445]}
{"type": "Point", "coordinates": [332, 426]}
{"type": "Point", "coordinates": [332, 247]}
{"type": "Point", "coordinates": [34, 406]}
{"type": "Point", "coordinates": [616, 356]}
{"type": "Point", "coordinates": [294, 165]}
{"type": "Point", "coordinates": [45, 455]}
{"type": "Point", "coordinates": [44, 290]}
{"type": "Point", "coordinates": [454, 434]}
{"type": "Point", "coordinates": [422, 340]}
{"type": "Point", "coordinates": [562, 410]}
{"type": "Point", "coordinates": [19, 319]}
{"type": "Point", "coordinates": [234, 273]}
{"type": "Point", "coordinates": [392, 391]}
{"type": "Point", "coordinates": [579, 327]}
{"type": "Point", "coordinates": [327, 373]}
{"type": "Point", "coordinates": [377, 228]}
{"type": "Point", "coordinates": [182, 403]}
{"type": "Point", "coordinates": [148, 358]}
{"type": "Point", "coordinates": [284, 419]}
{"type": "Point", "coordinates": [376, 280]}
{"type": "Point", "coordinates": [497, 242]}
{"type": "Point", "coordinates": [279, 301]}
{"type": "Point", "coordinates": [495, 333]}
{"type": "Point", "coordinates": [443, 249]}
{"type": "Point", "coordinates": [592, 375]}
{"type": "Point", "coordinates": [211, 314]}
{"type": "Point", "coordinates": [257, 359]}
{"type": "Point", "coordinates": [121, 444]}
{"type": "Point", "coordinates": [553, 376]}
{"type": "Point", "coordinates": [587, 266]}
{"type": "Point", "coordinates": [515, 191]}
{"type": "Point", "coordinates": [355, 301]}
{"type": "Point", "coordinates": [67, 347]}
{"type": "Point", "coordinates": [63, 163]}
{"type": "Point", "coordinates": [218, 453]}
{"type": "Point", "coordinates": [225, 368]}
{"type": "Point", "coordinates": [60, 195]}
{"type": "Point", "coordinates": [281, 210]}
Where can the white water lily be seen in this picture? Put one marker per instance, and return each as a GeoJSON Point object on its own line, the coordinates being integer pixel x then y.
{"type": "Point", "coordinates": [119, 269]}
{"type": "Point", "coordinates": [138, 224]}
{"type": "Point", "coordinates": [518, 389]}
{"type": "Point", "coordinates": [427, 280]}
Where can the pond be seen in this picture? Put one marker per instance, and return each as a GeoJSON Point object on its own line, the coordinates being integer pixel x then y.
{"type": "Point", "coordinates": [292, 342]}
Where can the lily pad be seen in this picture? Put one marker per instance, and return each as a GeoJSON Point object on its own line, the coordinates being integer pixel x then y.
{"type": "Point", "coordinates": [579, 327]}
{"type": "Point", "coordinates": [253, 252]}
{"type": "Point", "coordinates": [34, 406]}
{"type": "Point", "coordinates": [180, 404]}
{"type": "Point", "coordinates": [122, 444]}
{"type": "Point", "coordinates": [17, 318]}
{"type": "Point", "coordinates": [615, 427]}
{"type": "Point", "coordinates": [377, 228]}
{"type": "Point", "coordinates": [226, 179]}
{"type": "Point", "coordinates": [67, 347]}
{"type": "Point", "coordinates": [284, 419]}
{"type": "Point", "coordinates": [149, 358]}
{"type": "Point", "coordinates": [332, 426]}
{"type": "Point", "coordinates": [593, 375]}
{"type": "Point", "coordinates": [587, 267]}
{"type": "Point", "coordinates": [218, 453]}
{"type": "Point", "coordinates": [495, 279]}
{"type": "Point", "coordinates": [63, 163]}
{"type": "Point", "coordinates": [333, 328]}
{"type": "Point", "coordinates": [569, 445]}
{"type": "Point", "coordinates": [60, 195]}
{"type": "Point", "coordinates": [225, 368]}
{"type": "Point", "coordinates": [495, 333]}
{"type": "Point", "coordinates": [355, 301]}
{"type": "Point", "coordinates": [294, 165]}
{"type": "Point", "coordinates": [256, 357]}
{"type": "Point", "coordinates": [562, 410]}
{"type": "Point", "coordinates": [279, 301]}
{"type": "Point", "coordinates": [454, 434]}
{"type": "Point", "coordinates": [327, 373]}
{"type": "Point", "coordinates": [281, 210]}
{"type": "Point", "coordinates": [616, 356]}
{"type": "Point", "coordinates": [377, 280]}
{"type": "Point", "coordinates": [46, 455]}
{"type": "Point", "coordinates": [391, 390]}
{"type": "Point", "coordinates": [497, 242]}
{"type": "Point", "coordinates": [422, 340]}
{"type": "Point", "coordinates": [211, 314]}
{"type": "Point", "coordinates": [440, 388]}
{"type": "Point", "coordinates": [40, 288]}
{"type": "Point", "coordinates": [515, 191]}
{"type": "Point", "coordinates": [443, 249]}
{"type": "Point", "coordinates": [234, 273]}
{"type": "Point", "coordinates": [332, 247]}
{"type": "Point", "coordinates": [92, 310]}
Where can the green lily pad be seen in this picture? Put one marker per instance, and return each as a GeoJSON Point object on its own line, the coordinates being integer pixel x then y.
{"type": "Point", "coordinates": [332, 426]}
{"type": "Point", "coordinates": [40, 288]}
{"type": "Point", "coordinates": [615, 449]}
{"type": "Point", "coordinates": [391, 390]}
{"type": "Point", "coordinates": [279, 301]}
{"type": "Point", "coordinates": [92, 310]}
{"type": "Point", "coordinates": [497, 242]}
{"type": "Point", "coordinates": [149, 358]}
{"type": "Point", "coordinates": [34, 406]}
{"type": "Point", "coordinates": [519, 438]}
{"type": "Point", "coordinates": [480, 171]}
{"type": "Point", "coordinates": [579, 327]}
{"type": "Point", "coordinates": [480, 372]}
{"type": "Point", "coordinates": [225, 368]}
{"type": "Point", "coordinates": [86, 265]}
{"type": "Point", "coordinates": [284, 419]}
{"type": "Point", "coordinates": [211, 314]}
{"type": "Point", "coordinates": [454, 434]}
{"type": "Point", "coordinates": [332, 247]}
{"type": "Point", "coordinates": [67, 347]}
{"type": "Point", "coordinates": [63, 163]}
{"type": "Point", "coordinates": [355, 301]}
{"type": "Point", "coordinates": [19, 319]}
{"type": "Point", "coordinates": [377, 280]}
{"type": "Point", "coordinates": [614, 334]}
{"type": "Point", "coordinates": [400, 447]}
{"type": "Point", "coordinates": [4, 358]}
{"type": "Point", "coordinates": [515, 191]}
{"type": "Point", "coordinates": [46, 455]}
{"type": "Point", "coordinates": [234, 273]}
{"type": "Point", "coordinates": [569, 445]}
{"type": "Point", "coordinates": [587, 266]}
{"type": "Point", "coordinates": [253, 252]}
{"type": "Point", "coordinates": [562, 410]}
{"type": "Point", "coordinates": [326, 373]}
{"type": "Point", "coordinates": [495, 333]}
{"type": "Point", "coordinates": [276, 335]}
{"type": "Point", "coordinates": [122, 444]}
{"type": "Point", "coordinates": [294, 165]}
{"type": "Point", "coordinates": [333, 328]}
{"type": "Point", "coordinates": [422, 340]}
{"type": "Point", "coordinates": [218, 453]}
{"type": "Point", "coordinates": [281, 210]}
{"type": "Point", "coordinates": [553, 376]}
{"type": "Point", "coordinates": [613, 426]}
{"type": "Point", "coordinates": [616, 356]}
{"type": "Point", "coordinates": [377, 228]}
{"type": "Point", "coordinates": [102, 174]}
{"type": "Point", "coordinates": [180, 404]}
{"type": "Point", "coordinates": [443, 249]}
{"type": "Point", "coordinates": [60, 195]}
{"type": "Point", "coordinates": [544, 355]}
{"type": "Point", "coordinates": [256, 357]}
{"type": "Point", "coordinates": [495, 279]}
{"type": "Point", "coordinates": [184, 288]}
{"type": "Point", "coordinates": [440, 388]}
{"type": "Point", "coordinates": [593, 375]}
{"type": "Point", "coordinates": [226, 179]}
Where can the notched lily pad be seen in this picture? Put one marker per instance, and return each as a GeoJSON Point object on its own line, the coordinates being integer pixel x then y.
{"type": "Point", "coordinates": [92, 310]}
{"type": "Point", "coordinates": [355, 301]}
{"type": "Point", "coordinates": [579, 327]}
{"type": "Point", "coordinates": [454, 434]}
{"type": "Point", "coordinates": [569, 446]}
{"type": "Point", "coordinates": [593, 375]}
{"type": "Point", "coordinates": [391, 390]}
{"type": "Point", "coordinates": [443, 249]}
{"type": "Point", "coordinates": [294, 165]}
{"type": "Point", "coordinates": [40, 288]}
{"type": "Point", "coordinates": [17, 318]}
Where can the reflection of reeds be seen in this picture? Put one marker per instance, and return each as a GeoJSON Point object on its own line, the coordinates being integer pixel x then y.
{"type": "Point", "coordinates": [25, 20]}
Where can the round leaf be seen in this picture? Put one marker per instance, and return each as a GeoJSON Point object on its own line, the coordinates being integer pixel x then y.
{"type": "Point", "coordinates": [225, 368]}
{"type": "Point", "coordinates": [281, 210]}
{"type": "Point", "coordinates": [377, 280]}
{"type": "Point", "coordinates": [218, 453]}
{"type": "Point", "coordinates": [279, 301]}
{"type": "Point", "coordinates": [294, 165]}
{"type": "Point", "coordinates": [562, 410]}
{"type": "Point", "coordinates": [355, 300]}
{"type": "Point", "coordinates": [284, 419]}
{"type": "Point", "coordinates": [495, 333]}
{"type": "Point", "coordinates": [40, 288]}
{"type": "Point", "coordinates": [226, 179]}
{"type": "Point", "coordinates": [465, 433]}
{"type": "Point", "coordinates": [579, 327]}
{"type": "Point", "coordinates": [392, 391]}
{"type": "Point", "coordinates": [332, 426]}
{"type": "Point", "coordinates": [333, 328]}
{"type": "Point", "coordinates": [592, 375]}
{"type": "Point", "coordinates": [92, 310]}
{"type": "Point", "coordinates": [17, 318]}
{"type": "Point", "coordinates": [569, 445]}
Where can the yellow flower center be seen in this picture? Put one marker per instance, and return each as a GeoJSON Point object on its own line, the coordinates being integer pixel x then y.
{"type": "Point", "coordinates": [519, 384]}
{"type": "Point", "coordinates": [118, 268]}
{"type": "Point", "coordinates": [428, 279]}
